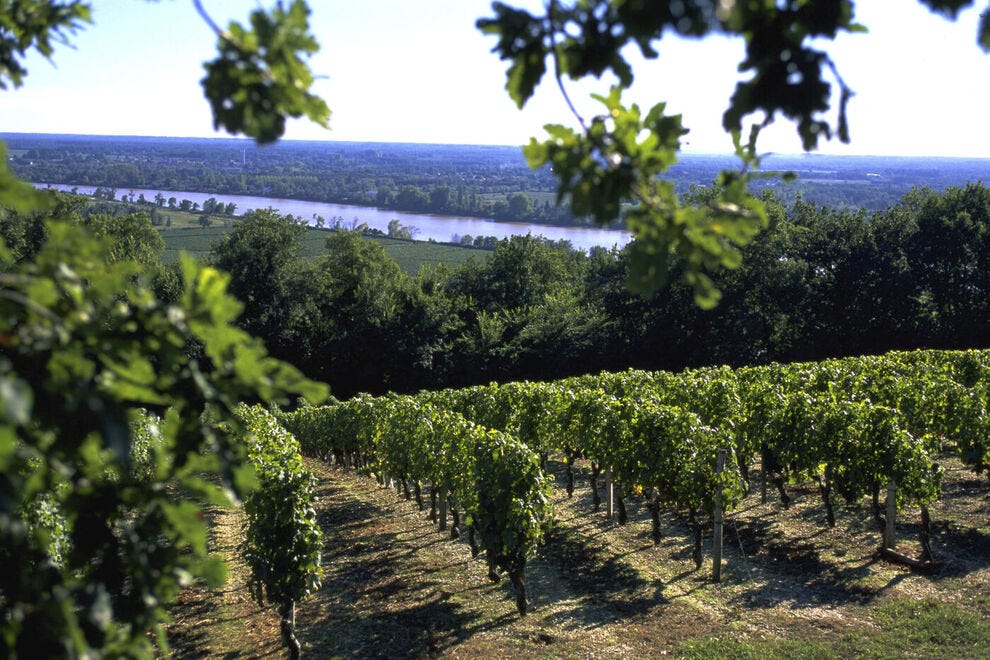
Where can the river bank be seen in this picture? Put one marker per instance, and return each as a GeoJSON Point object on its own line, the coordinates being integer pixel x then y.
{"type": "Point", "coordinates": [423, 227]}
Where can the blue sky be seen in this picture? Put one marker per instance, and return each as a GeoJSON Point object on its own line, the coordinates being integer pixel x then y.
{"type": "Point", "coordinates": [418, 71]}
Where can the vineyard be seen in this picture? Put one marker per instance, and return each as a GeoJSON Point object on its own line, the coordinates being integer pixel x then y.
{"type": "Point", "coordinates": [867, 439]}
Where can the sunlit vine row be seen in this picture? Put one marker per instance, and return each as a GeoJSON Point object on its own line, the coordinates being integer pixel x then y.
{"type": "Point", "coordinates": [283, 539]}
{"type": "Point", "coordinates": [489, 476]}
{"type": "Point", "coordinates": [851, 424]}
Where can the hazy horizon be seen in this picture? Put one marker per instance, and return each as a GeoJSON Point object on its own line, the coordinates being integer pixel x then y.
{"type": "Point", "coordinates": [683, 154]}
{"type": "Point", "coordinates": [418, 73]}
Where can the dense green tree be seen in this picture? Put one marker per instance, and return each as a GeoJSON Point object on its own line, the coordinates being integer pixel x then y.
{"type": "Point", "coordinates": [410, 198]}
{"type": "Point", "coordinates": [947, 254]}
{"type": "Point", "coordinates": [560, 337]}
{"type": "Point", "coordinates": [520, 206]}
{"type": "Point", "coordinates": [440, 199]}
{"type": "Point", "coordinates": [260, 253]}
{"type": "Point", "coordinates": [132, 236]}
{"type": "Point", "coordinates": [25, 231]}
{"type": "Point", "coordinates": [523, 312]}
{"type": "Point", "coordinates": [520, 272]}
{"type": "Point", "coordinates": [397, 230]}
{"type": "Point", "coordinates": [358, 294]}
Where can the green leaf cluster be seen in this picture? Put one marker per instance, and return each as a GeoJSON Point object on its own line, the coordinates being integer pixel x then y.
{"type": "Point", "coordinates": [16, 194]}
{"type": "Point", "coordinates": [491, 476]}
{"type": "Point", "coordinates": [101, 519]}
{"type": "Point", "coordinates": [38, 25]}
{"type": "Point", "coordinates": [850, 423]}
{"type": "Point", "coordinates": [617, 158]}
{"type": "Point", "coordinates": [514, 502]}
{"type": "Point", "coordinates": [283, 541]}
{"type": "Point", "coordinates": [259, 77]}
{"type": "Point", "coordinates": [614, 169]}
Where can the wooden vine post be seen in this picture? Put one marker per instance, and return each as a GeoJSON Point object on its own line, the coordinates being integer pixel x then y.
{"type": "Point", "coordinates": [717, 519]}
{"type": "Point", "coordinates": [609, 494]}
{"type": "Point", "coordinates": [443, 509]}
{"type": "Point", "coordinates": [889, 536]}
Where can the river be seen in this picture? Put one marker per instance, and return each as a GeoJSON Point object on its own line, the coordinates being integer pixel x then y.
{"type": "Point", "coordinates": [424, 227]}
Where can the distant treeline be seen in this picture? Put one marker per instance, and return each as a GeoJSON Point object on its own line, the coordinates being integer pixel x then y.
{"type": "Point", "coordinates": [820, 282]}
{"type": "Point", "coordinates": [487, 182]}
{"type": "Point", "coordinates": [479, 181]}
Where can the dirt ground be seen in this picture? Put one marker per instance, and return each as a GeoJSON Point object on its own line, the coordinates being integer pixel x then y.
{"type": "Point", "coordinates": [395, 586]}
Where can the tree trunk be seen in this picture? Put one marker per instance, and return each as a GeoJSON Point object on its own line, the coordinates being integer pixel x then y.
{"type": "Point", "coordinates": [773, 471]}
{"type": "Point", "coordinates": [877, 516]}
{"type": "Point", "coordinates": [890, 532]}
{"type": "Point", "coordinates": [596, 470]}
{"type": "Point", "coordinates": [518, 578]}
{"type": "Point", "coordinates": [455, 527]}
{"type": "Point", "coordinates": [655, 516]}
{"type": "Point", "coordinates": [696, 526]}
{"type": "Point", "coordinates": [569, 454]}
{"type": "Point", "coordinates": [785, 499]}
{"type": "Point", "coordinates": [442, 502]}
{"type": "Point", "coordinates": [418, 492]}
{"type": "Point", "coordinates": [825, 488]}
{"type": "Point", "coordinates": [717, 520]}
{"type": "Point", "coordinates": [492, 570]}
{"type": "Point", "coordinates": [473, 540]}
{"type": "Point", "coordinates": [926, 535]}
{"type": "Point", "coordinates": [288, 626]}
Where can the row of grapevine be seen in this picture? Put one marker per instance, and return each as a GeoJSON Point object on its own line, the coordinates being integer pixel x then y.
{"type": "Point", "coordinates": [283, 540]}
{"type": "Point", "coordinates": [489, 476]}
{"type": "Point", "coordinates": [854, 424]}
{"type": "Point", "coordinates": [43, 515]}
{"type": "Point", "coordinates": [664, 453]}
{"type": "Point", "coordinates": [809, 414]}
{"type": "Point", "coordinates": [939, 397]}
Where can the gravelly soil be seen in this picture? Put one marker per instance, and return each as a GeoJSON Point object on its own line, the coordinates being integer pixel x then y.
{"type": "Point", "coordinates": [395, 586]}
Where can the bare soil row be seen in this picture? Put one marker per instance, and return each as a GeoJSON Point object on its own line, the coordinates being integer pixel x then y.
{"type": "Point", "coordinates": [395, 586]}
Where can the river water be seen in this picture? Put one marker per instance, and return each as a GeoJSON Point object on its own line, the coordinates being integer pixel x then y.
{"type": "Point", "coordinates": [440, 228]}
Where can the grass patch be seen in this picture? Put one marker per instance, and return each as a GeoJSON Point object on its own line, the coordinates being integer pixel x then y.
{"type": "Point", "coordinates": [927, 627]}
{"type": "Point", "coordinates": [781, 649]}
{"type": "Point", "coordinates": [904, 628]}
{"type": "Point", "coordinates": [413, 255]}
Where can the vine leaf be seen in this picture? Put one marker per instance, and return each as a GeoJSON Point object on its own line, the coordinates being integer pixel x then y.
{"type": "Point", "coordinates": [259, 77]}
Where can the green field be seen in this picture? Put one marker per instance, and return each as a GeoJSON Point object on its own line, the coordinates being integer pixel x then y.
{"type": "Point", "coordinates": [410, 255]}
